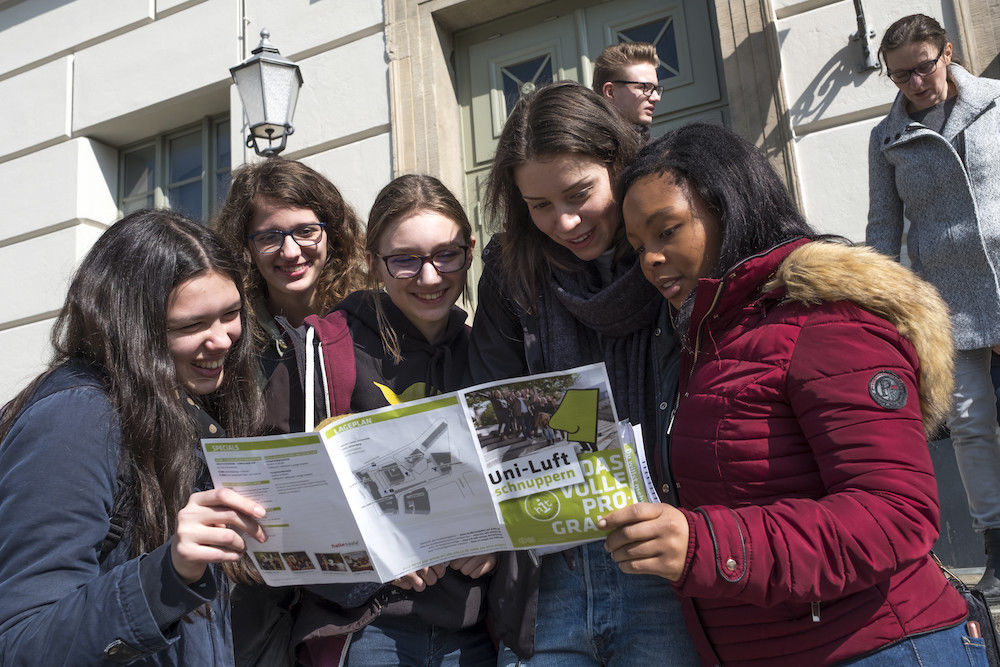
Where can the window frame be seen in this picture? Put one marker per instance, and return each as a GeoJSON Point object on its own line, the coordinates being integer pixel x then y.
{"type": "Point", "coordinates": [209, 128]}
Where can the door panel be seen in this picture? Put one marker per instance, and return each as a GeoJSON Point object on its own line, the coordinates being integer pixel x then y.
{"type": "Point", "coordinates": [507, 67]}
{"type": "Point", "coordinates": [682, 34]}
{"type": "Point", "coordinates": [715, 115]}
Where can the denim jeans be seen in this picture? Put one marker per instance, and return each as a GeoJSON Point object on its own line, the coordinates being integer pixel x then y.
{"type": "Point", "coordinates": [950, 647]}
{"type": "Point", "coordinates": [409, 642]}
{"type": "Point", "coordinates": [975, 437]}
{"type": "Point", "coordinates": [593, 614]}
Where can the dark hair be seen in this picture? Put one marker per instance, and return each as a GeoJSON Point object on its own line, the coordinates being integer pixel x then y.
{"type": "Point", "coordinates": [115, 317]}
{"type": "Point", "coordinates": [403, 196]}
{"type": "Point", "coordinates": [295, 185]}
{"type": "Point", "coordinates": [912, 29]}
{"type": "Point", "coordinates": [734, 179]}
{"type": "Point", "coordinates": [559, 118]}
{"type": "Point", "coordinates": [617, 57]}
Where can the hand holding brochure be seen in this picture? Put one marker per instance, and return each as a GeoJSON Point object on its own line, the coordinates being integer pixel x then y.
{"type": "Point", "coordinates": [517, 464]}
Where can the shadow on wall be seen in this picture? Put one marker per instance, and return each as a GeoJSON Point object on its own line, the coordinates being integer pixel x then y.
{"type": "Point", "coordinates": [836, 74]}
{"type": "Point", "coordinates": [752, 87]}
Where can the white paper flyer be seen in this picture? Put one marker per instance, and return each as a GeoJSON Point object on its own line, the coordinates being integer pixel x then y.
{"type": "Point", "coordinates": [523, 463]}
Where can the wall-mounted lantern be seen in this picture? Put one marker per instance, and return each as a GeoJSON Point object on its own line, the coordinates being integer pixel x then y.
{"type": "Point", "coordinates": [268, 84]}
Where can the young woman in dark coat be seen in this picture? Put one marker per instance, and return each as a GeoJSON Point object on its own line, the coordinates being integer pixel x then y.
{"type": "Point", "coordinates": [149, 357]}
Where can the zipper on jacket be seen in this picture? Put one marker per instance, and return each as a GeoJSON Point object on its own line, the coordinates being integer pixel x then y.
{"type": "Point", "coordinates": [815, 611]}
{"type": "Point", "coordinates": [663, 464]}
{"type": "Point", "coordinates": [718, 293]}
{"type": "Point", "coordinates": [670, 444]}
{"type": "Point", "coordinates": [697, 333]}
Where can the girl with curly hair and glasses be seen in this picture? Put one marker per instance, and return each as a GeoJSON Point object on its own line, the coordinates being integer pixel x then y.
{"type": "Point", "coordinates": [299, 247]}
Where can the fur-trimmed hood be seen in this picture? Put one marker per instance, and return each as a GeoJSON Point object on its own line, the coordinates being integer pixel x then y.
{"type": "Point", "coordinates": [823, 271]}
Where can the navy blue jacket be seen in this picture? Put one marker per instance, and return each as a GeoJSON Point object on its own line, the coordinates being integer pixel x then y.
{"type": "Point", "coordinates": [58, 604]}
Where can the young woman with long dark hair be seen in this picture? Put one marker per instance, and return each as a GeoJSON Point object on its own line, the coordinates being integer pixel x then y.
{"type": "Point", "coordinates": [811, 374]}
{"type": "Point", "coordinates": [112, 535]}
{"type": "Point", "coordinates": [561, 288]}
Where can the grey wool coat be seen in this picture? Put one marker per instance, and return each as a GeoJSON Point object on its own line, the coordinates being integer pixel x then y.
{"type": "Point", "coordinates": [951, 201]}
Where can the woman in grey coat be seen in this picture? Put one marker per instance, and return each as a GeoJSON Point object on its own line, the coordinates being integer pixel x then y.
{"type": "Point", "coordinates": [934, 160]}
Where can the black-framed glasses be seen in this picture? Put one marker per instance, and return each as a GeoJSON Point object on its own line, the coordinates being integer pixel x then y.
{"type": "Point", "coordinates": [925, 68]}
{"type": "Point", "coordinates": [645, 87]}
{"type": "Point", "coordinates": [446, 260]}
{"type": "Point", "coordinates": [270, 241]}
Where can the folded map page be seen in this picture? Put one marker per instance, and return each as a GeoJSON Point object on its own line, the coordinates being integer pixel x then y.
{"type": "Point", "coordinates": [526, 463]}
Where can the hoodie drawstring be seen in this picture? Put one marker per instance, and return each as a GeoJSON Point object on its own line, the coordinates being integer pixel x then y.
{"type": "Point", "coordinates": [310, 384]}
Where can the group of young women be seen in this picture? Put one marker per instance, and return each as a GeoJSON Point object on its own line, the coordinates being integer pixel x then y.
{"type": "Point", "coordinates": [785, 384]}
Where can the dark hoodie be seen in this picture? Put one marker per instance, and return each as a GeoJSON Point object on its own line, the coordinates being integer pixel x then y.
{"type": "Point", "coordinates": [426, 368]}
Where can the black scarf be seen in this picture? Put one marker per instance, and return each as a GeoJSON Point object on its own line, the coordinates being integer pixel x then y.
{"type": "Point", "coordinates": [582, 321]}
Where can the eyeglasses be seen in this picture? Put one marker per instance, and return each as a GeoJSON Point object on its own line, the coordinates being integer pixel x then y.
{"type": "Point", "coordinates": [645, 87]}
{"type": "Point", "coordinates": [270, 241]}
{"type": "Point", "coordinates": [925, 68]}
{"type": "Point", "coordinates": [446, 260]}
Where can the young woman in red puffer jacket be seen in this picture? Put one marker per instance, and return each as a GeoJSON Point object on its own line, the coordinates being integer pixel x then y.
{"type": "Point", "coordinates": [811, 375]}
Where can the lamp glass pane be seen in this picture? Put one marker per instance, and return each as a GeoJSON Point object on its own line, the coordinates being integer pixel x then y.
{"type": "Point", "coordinates": [277, 90]}
{"type": "Point", "coordinates": [248, 83]}
{"type": "Point", "coordinates": [293, 95]}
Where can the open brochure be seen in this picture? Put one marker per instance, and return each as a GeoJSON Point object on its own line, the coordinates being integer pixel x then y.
{"type": "Point", "coordinates": [517, 464]}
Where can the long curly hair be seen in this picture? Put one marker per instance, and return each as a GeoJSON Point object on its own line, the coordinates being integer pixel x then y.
{"type": "Point", "coordinates": [115, 318]}
{"type": "Point", "coordinates": [295, 185]}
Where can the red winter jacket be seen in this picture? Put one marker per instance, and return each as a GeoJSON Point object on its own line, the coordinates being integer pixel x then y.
{"type": "Point", "coordinates": [801, 461]}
